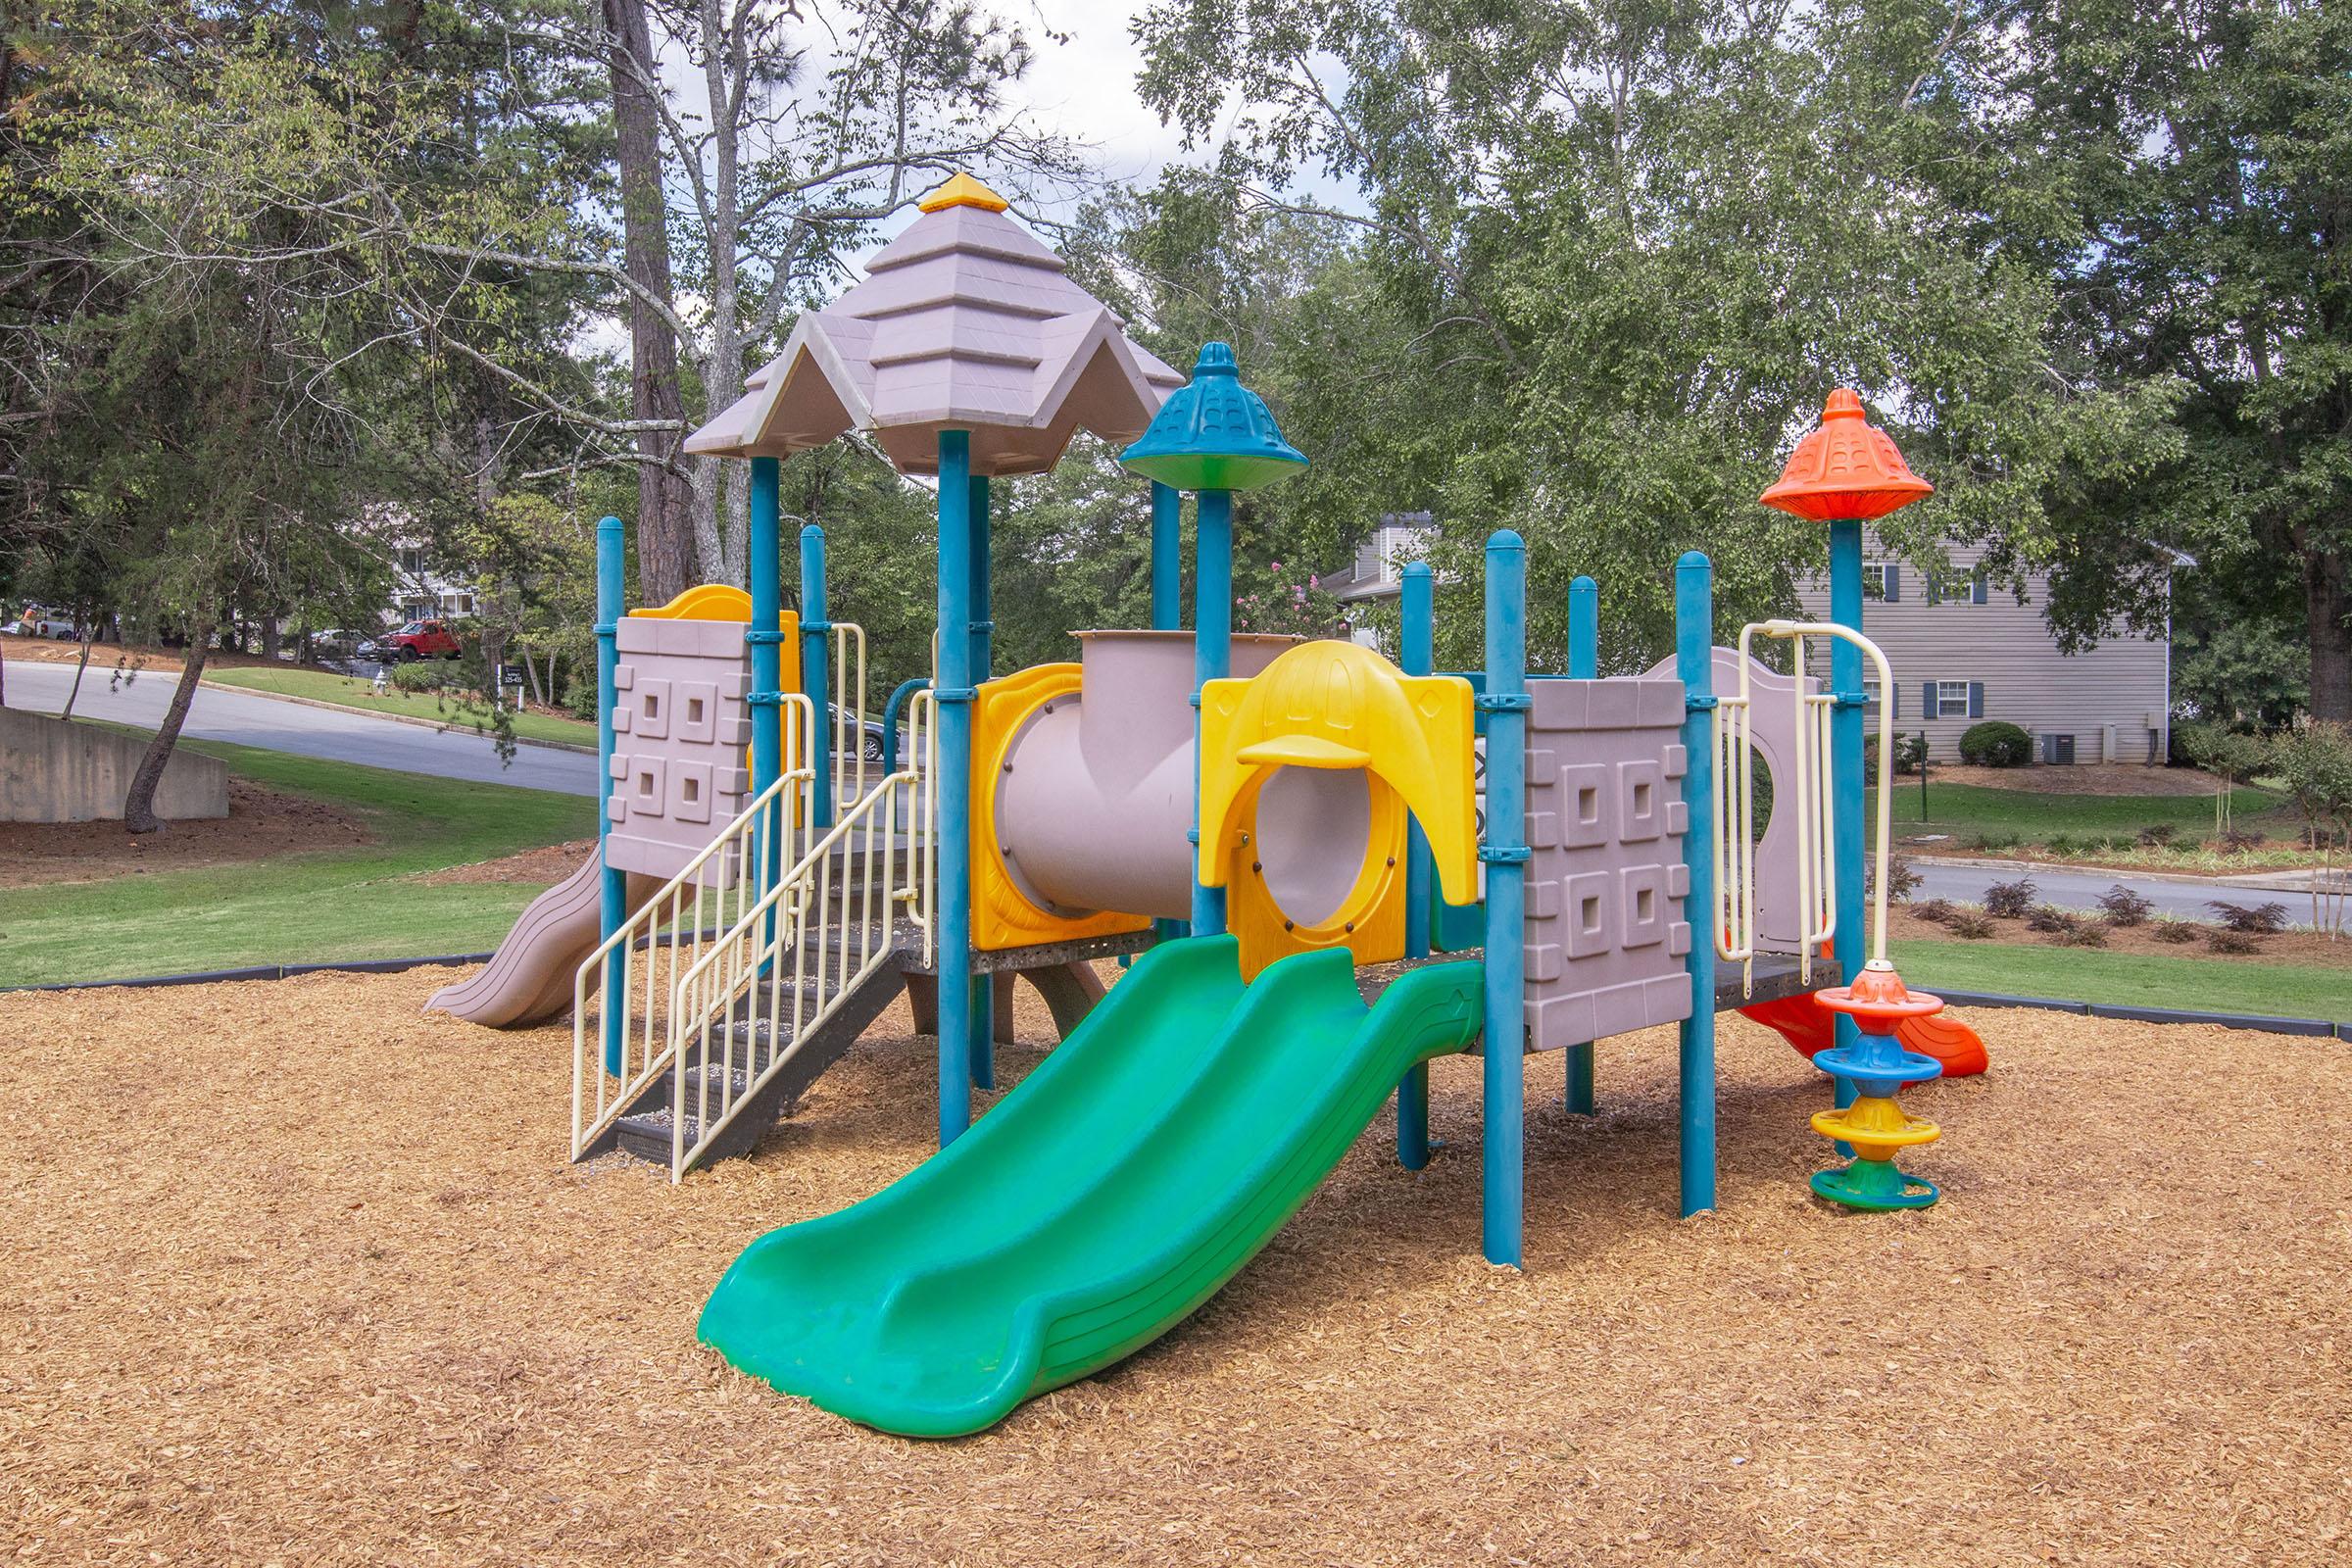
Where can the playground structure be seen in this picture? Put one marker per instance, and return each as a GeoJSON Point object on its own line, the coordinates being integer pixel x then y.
{"type": "Point", "coordinates": [1317, 810]}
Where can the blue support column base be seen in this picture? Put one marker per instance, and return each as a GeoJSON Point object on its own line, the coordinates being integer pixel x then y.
{"type": "Point", "coordinates": [954, 860]}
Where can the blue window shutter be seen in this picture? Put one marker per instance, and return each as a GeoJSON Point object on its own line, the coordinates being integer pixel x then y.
{"type": "Point", "coordinates": [1975, 699]}
{"type": "Point", "coordinates": [1895, 582]}
{"type": "Point", "coordinates": [1895, 695]}
{"type": "Point", "coordinates": [1978, 588]}
{"type": "Point", "coordinates": [1927, 699]}
{"type": "Point", "coordinates": [1934, 595]}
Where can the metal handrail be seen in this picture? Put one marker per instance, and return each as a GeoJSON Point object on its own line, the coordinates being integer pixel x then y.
{"type": "Point", "coordinates": [1813, 802]}
{"type": "Point", "coordinates": [792, 927]}
{"type": "Point", "coordinates": [672, 928]}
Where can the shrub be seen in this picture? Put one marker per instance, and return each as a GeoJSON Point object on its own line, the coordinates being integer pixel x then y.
{"type": "Point", "coordinates": [579, 698]}
{"type": "Point", "coordinates": [2010, 899]}
{"type": "Point", "coordinates": [1902, 880]}
{"type": "Point", "coordinates": [1910, 755]}
{"type": "Point", "coordinates": [2253, 919]}
{"type": "Point", "coordinates": [2232, 943]}
{"type": "Point", "coordinates": [2156, 835]}
{"type": "Point", "coordinates": [1992, 843]}
{"type": "Point", "coordinates": [2238, 840]}
{"type": "Point", "coordinates": [1996, 743]}
{"type": "Point", "coordinates": [2048, 917]}
{"type": "Point", "coordinates": [2125, 906]}
{"type": "Point", "coordinates": [2082, 934]}
{"type": "Point", "coordinates": [2169, 929]}
{"type": "Point", "coordinates": [2061, 845]}
{"type": "Point", "coordinates": [423, 677]}
{"type": "Point", "coordinates": [1936, 911]}
{"type": "Point", "coordinates": [1971, 925]}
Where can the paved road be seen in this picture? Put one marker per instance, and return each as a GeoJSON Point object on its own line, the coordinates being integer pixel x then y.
{"type": "Point", "coordinates": [2080, 890]}
{"type": "Point", "coordinates": [280, 726]}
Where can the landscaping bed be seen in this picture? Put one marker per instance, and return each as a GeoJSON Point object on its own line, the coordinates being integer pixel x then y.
{"type": "Point", "coordinates": [271, 1300]}
{"type": "Point", "coordinates": [261, 824]}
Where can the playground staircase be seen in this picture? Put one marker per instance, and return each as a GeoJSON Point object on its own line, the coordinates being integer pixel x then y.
{"type": "Point", "coordinates": [750, 1099]}
{"type": "Point", "coordinates": [723, 1023]}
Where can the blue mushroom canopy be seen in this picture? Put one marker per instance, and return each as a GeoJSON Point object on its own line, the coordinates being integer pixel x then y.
{"type": "Point", "coordinates": [1214, 433]}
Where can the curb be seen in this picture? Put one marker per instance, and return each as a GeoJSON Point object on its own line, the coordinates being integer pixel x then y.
{"type": "Point", "coordinates": [266, 971]}
{"type": "Point", "coordinates": [443, 726]}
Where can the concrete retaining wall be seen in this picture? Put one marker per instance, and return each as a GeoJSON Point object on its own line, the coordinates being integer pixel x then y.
{"type": "Point", "coordinates": [52, 770]}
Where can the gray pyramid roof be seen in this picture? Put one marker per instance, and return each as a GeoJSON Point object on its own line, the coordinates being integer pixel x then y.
{"type": "Point", "coordinates": [965, 321]}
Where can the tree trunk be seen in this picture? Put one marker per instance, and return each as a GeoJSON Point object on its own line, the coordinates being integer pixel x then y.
{"type": "Point", "coordinates": [2328, 599]}
{"type": "Point", "coordinates": [667, 558]}
{"type": "Point", "coordinates": [79, 670]}
{"type": "Point", "coordinates": [138, 806]}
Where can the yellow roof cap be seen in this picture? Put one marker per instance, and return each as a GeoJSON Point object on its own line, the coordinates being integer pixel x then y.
{"type": "Point", "coordinates": [963, 191]}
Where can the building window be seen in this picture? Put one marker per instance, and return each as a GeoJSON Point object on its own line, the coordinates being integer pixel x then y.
{"type": "Point", "coordinates": [1883, 580]}
{"type": "Point", "coordinates": [1957, 586]}
{"type": "Point", "coordinates": [1953, 698]}
{"type": "Point", "coordinates": [1872, 696]}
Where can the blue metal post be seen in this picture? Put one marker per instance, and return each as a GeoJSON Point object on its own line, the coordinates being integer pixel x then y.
{"type": "Point", "coordinates": [954, 695]}
{"type": "Point", "coordinates": [1846, 771]}
{"type": "Point", "coordinates": [1695, 662]}
{"type": "Point", "coordinates": [1416, 653]}
{"type": "Point", "coordinates": [1168, 601]}
{"type": "Point", "coordinates": [1506, 854]}
{"type": "Point", "coordinates": [984, 987]}
{"type": "Point", "coordinates": [893, 715]}
{"type": "Point", "coordinates": [1213, 660]}
{"type": "Point", "coordinates": [1583, 663]}
{"type": "Point", "coordinates": [766, 570]}
{"type": "Point", "coordinates": [817, 671]}
{"type": "Point", "coordinates": [613, 891]}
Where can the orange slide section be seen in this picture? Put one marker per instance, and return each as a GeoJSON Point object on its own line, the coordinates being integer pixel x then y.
{"type": "Point", "coordinates": [528, 979]}
{"type": "Point", "coordinates": [1810, 1027]}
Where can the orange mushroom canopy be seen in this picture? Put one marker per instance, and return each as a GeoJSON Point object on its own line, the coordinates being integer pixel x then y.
{"type": "Point", "coordinates": [1848, 471]}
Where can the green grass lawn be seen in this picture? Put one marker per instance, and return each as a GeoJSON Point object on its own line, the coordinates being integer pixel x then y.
{"type": "Point", "coordinates": [311, 907]}
{"type": "Point", "coordinates": [2129, 979]}
{"type": "Point", "coordinates": [353, 692]}
{"type": "Point", "coordinates": [1968, 810]}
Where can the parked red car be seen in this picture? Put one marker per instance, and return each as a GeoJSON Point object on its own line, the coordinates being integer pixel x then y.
{"type": "Point", "coordinates": [418, 639]}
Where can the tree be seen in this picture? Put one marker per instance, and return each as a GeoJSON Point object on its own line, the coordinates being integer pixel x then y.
{"type": "Point", "coordinates": [2315, 764]}
{"type": "Point", "coordinates": [2214, 172]}
{"type": "Point", "coordinates": [1608, 260]}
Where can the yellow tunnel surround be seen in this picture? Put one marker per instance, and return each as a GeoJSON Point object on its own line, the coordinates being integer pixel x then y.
{"type": "Point", "coordinates": [1002, 915]}
{"type": "Point", "coordinates": [1337, 705]}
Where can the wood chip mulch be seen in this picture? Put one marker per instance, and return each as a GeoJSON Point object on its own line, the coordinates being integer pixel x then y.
{"type": "Point", "coordinates": [289, 1273]}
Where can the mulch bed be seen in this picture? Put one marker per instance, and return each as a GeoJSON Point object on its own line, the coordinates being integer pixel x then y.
{"type": "Point", "coordinates": [261, 824]}
{"type": "Point", "coordinates": [548, 863]}
{"type": "Point", "coordinates": [2305, 948]}
{"type": "Point", "coordinates": [291, 1273]}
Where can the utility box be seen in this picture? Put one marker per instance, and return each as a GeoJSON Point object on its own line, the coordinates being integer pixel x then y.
{"type": "Point", "coordinates": [1608, 937]}
{"type": "Point", "coordinates": [2058, 751]}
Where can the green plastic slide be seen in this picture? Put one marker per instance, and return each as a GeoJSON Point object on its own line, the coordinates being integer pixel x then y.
{"type": "Point", "coordinates": [1130, 1175]}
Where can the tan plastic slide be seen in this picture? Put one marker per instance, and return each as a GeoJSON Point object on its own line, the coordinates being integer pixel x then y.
{"type": "Point", "coordinates": [528, 979]}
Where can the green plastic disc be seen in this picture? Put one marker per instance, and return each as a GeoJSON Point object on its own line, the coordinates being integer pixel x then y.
{"type": "Point", "coordinates": [1874, 1184]}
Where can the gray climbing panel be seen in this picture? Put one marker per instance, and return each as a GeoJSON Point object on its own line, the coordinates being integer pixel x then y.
{"type": "Point", "coordinates": [1606, 934]}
